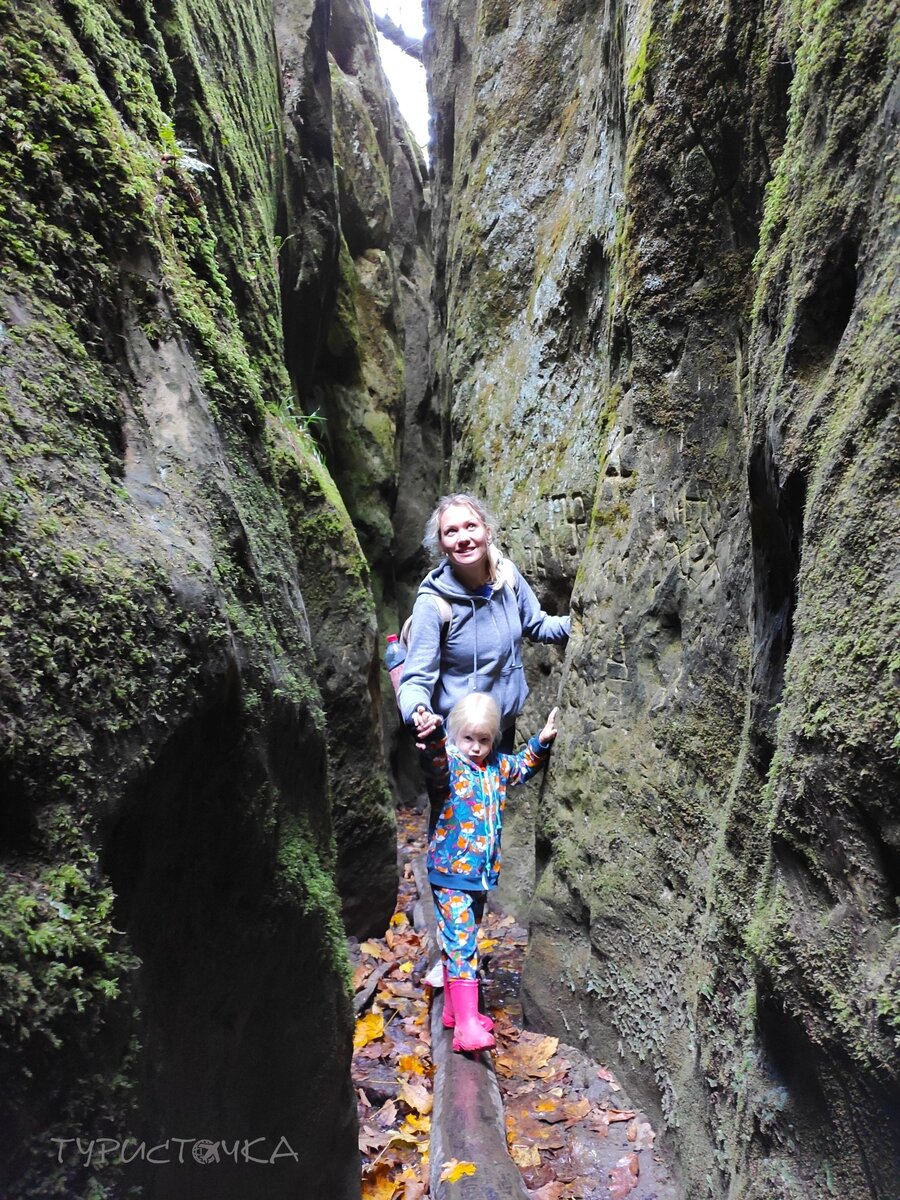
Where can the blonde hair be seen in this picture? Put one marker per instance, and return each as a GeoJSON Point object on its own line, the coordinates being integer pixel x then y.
{"type": "Point", "coordinates": [477, 710]}
{"type": "Point", "coordinates": [432, 539]}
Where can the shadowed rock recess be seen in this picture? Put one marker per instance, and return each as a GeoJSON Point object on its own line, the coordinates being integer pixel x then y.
{"type": "Point", "coordinates": [666, 257]}
{"type": "Point", "coordinates": [193, 262]}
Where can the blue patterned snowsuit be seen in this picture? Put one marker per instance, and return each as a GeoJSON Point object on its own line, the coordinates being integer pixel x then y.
{"type": "Point", "coordinates": [464, 851]}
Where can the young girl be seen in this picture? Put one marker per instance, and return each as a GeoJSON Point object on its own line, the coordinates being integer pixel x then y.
{"type": "Point", "coordinates": [464, 850]}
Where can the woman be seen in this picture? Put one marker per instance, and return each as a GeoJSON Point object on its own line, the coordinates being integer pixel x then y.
{"type": "Point", "coordinates": [468, 622]}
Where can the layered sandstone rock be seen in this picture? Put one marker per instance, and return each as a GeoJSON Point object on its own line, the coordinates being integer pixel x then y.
{"type": "Point", "coordinates": [672, 381]}
{"type": "Point", "coordinates": [188, 618]}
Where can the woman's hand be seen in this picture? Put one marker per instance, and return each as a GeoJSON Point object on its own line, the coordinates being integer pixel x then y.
{"type": "Point", "coordinates": [426, 723]}
{"type": "Point", "coordinates": [422, 718]}
{"type": "Point", "coordinates": [548, 733]}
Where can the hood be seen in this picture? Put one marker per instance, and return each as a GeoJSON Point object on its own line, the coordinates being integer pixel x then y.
{"type": "Point", "coordinates": [443, 582]}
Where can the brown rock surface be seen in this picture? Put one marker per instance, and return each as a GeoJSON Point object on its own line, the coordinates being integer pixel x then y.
{"type": "Point", "coordinates": [672, 383]}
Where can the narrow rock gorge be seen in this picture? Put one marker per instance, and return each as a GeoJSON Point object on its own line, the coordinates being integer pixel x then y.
{"type": "Point", "coordinates": [644, 300]}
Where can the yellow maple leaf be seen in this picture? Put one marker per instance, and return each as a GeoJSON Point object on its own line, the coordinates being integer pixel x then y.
{"type": "Point", "coordinates": [411, 1063]}
{"type": "Point", "coordinates": [486, 945]}
{"type": "Point", "coordinates": [399, 919]}
{"type": "Point", "coordinates": [453, 1170]}
{"type": "Point", "coordinates": [378, 1185]}
{"type": "Point", "coordinates": [420, 1124]}
{"type": "Point", "coordinates": [406, 967]}
{"type": "Point", "coordinates": [368, 1029]}
{"type": "Point", "coordinates": [372, 948]}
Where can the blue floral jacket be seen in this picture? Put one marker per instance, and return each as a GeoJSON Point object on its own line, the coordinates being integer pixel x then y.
{"type": "Point", "coordinates": [464, 851]}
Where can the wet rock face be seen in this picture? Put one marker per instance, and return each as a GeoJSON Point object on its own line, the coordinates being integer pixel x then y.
{"type": "Point", "coordinates": [671, 382]}
{"type": "Point", "coordinates": [188, 630]}
{"type": "Point", "coordinates": [350, 157]}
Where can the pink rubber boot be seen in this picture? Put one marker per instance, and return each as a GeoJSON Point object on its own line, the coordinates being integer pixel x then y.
{"type": "Point", "coordinates": [469, 1033]}
{"type": "Point", "coordinates": [448, 1018]}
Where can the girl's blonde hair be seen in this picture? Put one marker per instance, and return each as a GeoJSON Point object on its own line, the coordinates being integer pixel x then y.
{"type": "Point", "coordinates": [477, 710]}
{"type": "Point", "coordinates": [432, 539]}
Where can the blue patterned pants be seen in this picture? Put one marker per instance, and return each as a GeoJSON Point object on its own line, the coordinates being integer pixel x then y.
{"type": "Point", "coordinates": [458, 915]}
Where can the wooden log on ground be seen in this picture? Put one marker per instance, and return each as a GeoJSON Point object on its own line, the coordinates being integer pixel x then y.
{"type": "Point", "coordinates": [467, 1122]}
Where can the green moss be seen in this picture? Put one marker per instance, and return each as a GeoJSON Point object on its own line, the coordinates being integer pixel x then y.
{"type": "Point", "coordinates": [65, 971]}
{"type": "Point", "coordinates": [305, 879]}
{"type": "Point", "coordinates": [493, 16]}
{"type": "Point", "coordinates": [644, 63]}
{"type": "Point", "coordinates": [343, 338]}
{"type": "Point", "coordinates": [116, 629]}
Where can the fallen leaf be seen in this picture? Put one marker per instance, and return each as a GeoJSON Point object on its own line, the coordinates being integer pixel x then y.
{"type": "Point", "coordinates": [399, 918]}
{"type": "Point", "coordinates": [405, 1137]}
{"type": "Point", "coordinates": [411, 1063]}
{"type": "Point", "coordinates": [620, 1114]}
{"type": "Point", "coordinates": [552, 1110]}
{"type": "Point", "coordinates": [643, 1136]}
{"type": "Point", "coordinates": [406, 968]}
{"type": "Point", "coordinates": [377, 1049]}
{"type": "Point", "coordinates": [529, 1056]}
{"type": "Point", "coordinates": [623, 1178]}
{"type": "Point", "coordinates": [416, 1096]}
{"type": "Point", "coordinates": [486, 945]}
{"type": "Point", "coordinates": [377, 1184]}
{"type": "Point", "coordinates": [551, 1191]}
{"type": "Point", "coordinates": [361, 974]}
{"type": "Point", "coordinates": [386, 1115]}
{"type": "Point", "coordinates": [609, 1078]}
{"type": "Point", "coordinates": [414, 1190]}
{"type": "Point", "coordinates": [453, 1170]}
{"type": "Point", "coordinates": [371, 1139]}
{"type": "Point", "coordinates": [374, 950]}
{"type": "Point", "coordinates": [525, 1156]}
{"type": "Point", "coordinates": [368, 1029]}
{"type": "Point", "coordinates": [417, 1124]}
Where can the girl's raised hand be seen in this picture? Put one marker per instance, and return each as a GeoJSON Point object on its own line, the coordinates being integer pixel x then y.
{"type": "Point", "coordinates": [548, 733]}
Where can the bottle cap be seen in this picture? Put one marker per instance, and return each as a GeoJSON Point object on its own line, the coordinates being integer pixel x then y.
{"type": "Point", "coordinates": [392, 637]}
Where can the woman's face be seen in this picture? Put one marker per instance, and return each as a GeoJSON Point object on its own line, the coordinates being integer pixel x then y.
{"type": "Point", "coordinates": [464, 540]}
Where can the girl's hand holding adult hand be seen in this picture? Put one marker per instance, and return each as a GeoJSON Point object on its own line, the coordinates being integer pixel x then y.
{"type": "Point", "coordinates": [426, 723]}
{"type": "Point", "coordinates": [424, 720]}
{"type": "Point", "coordinates": [548, 733]}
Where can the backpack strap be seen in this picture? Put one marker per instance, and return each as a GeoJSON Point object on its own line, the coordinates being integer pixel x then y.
{"type": "Point", "coordinates": [506, 573]}
{"type": "Point", "coordinates": [446, 615]}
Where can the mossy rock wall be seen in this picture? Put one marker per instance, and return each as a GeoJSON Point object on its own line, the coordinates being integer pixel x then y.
{"type": "Point", "coordinates": [663, 239]}
{"type": "Point", "coordinates": [173, 960]}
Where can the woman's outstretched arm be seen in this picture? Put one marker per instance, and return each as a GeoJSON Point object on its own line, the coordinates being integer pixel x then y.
{"type": "Point", "coordinates": [537, 625]}
{"type": "Point", "coordinates": [423, 658]}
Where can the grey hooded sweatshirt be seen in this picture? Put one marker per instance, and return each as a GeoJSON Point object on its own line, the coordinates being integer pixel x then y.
{"type": "Point", "coordinates": [480, 649]}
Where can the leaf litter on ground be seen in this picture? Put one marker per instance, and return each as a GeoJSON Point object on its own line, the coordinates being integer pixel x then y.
{"type": "Point", "coordinates": [568, 1128]}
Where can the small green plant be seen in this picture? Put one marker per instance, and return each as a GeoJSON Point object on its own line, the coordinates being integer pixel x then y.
{"type": "Point", "coordinates": [177, 153]}
{"type": "Point", "coordinates": [291, 417]}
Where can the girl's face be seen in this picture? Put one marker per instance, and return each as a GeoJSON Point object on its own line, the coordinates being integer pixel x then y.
{"type": "Point", "coordinates": [464, 540]}
{"type": "Point", "coordinates": [475, 742]}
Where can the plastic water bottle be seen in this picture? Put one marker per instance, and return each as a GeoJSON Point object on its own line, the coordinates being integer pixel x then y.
{"type": "Point", "coordinates": [394, 658]}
